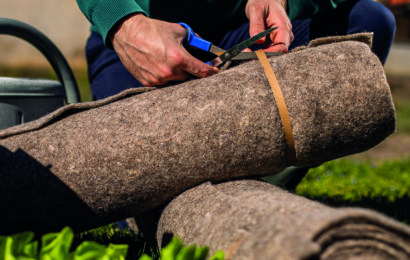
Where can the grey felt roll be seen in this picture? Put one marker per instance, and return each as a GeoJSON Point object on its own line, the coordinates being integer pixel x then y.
{"type": "Point", "coordinates": [253, 220]}
{"type": "Point", "coordinates": [90, 164]}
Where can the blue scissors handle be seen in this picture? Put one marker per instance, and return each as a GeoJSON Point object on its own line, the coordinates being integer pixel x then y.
{"type": "Point", "coordinates": [196, 41]}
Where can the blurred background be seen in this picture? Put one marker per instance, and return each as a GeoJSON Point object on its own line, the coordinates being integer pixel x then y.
{"type": "Point", "coordinates": [60, 20]}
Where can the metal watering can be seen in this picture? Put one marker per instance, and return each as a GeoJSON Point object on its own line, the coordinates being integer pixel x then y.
{"type": "Point", "coordinates": [25, 99]}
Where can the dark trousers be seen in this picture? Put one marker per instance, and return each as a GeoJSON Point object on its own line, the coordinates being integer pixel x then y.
{"type": "Point", "coordinates": [108, 76]}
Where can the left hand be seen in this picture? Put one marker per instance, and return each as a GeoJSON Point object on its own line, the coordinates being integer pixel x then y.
{"type": "Point", "coordinates": [265, 14]}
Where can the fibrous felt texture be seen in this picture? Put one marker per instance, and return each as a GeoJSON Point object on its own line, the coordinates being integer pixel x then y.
{"type": "Point", "coordinates": [256, 220]}
{"type": "Point", "coordinates": [90, 164]}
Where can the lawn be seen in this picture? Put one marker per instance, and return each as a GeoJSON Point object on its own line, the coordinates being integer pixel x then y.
{"type": "Point", "coordinates": [384, 188]}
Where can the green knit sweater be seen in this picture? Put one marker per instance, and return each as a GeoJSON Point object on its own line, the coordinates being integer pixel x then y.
{"type": "Point", "coordinates": [208, 18]}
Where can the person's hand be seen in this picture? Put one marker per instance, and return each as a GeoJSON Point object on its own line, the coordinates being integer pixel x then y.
{"type": "Point", "coordinates": [265, 14]}
{"type": "Point", "coordinates": [153, 53]}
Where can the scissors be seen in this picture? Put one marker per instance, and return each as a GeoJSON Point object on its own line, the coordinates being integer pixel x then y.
{"type": "Point", "coordinates": [234, 53]}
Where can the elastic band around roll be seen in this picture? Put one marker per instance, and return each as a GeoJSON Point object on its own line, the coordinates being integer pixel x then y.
{"type": "Point", "coordinates": [280, 102]}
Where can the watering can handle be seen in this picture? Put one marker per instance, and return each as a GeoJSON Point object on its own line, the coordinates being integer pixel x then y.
{"type": "Point", "coordinates": [49, 50]}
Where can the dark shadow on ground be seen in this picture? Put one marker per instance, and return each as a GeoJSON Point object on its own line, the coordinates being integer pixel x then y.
{"type": "Point", "coordinates": [32, 198]}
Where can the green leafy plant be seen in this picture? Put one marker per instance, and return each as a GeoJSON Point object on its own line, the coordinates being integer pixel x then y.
{"type": "Point", "coordinates": [175, 250]}
{"type": "Point", "coordinates": [137, 245]}
{"type": "Point", "coordinates": [56, 246]}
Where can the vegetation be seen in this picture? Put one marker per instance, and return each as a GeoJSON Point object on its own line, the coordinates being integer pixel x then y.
{"type": "Point", "coordinates": [112, 234]}
{"type": "Point", "coordinates": [58, 246]}
{"type": "Point", "coordinates": [384, 188]}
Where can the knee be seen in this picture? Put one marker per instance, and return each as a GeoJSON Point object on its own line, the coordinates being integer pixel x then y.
{"type": "Point", "coordinates": [384, 20]}
{"type": "Point", "coordinates": [374, 17]}
{"type": "Point", "coordinates": [371, 16]}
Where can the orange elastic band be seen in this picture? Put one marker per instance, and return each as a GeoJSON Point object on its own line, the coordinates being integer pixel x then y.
{"type": "Point", "coordinates": [280, 101]}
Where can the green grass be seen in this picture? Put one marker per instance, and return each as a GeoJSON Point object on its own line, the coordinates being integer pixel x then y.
{"type": "Point", "coordinates": [384, 188]}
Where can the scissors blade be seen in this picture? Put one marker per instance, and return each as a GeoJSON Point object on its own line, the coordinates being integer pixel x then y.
{"type": "Point", "coordinates": [216, 50]}
{"type": "Point", "coordinates": [234, 51]}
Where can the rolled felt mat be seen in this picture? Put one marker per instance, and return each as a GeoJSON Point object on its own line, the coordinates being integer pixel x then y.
{"type": "Point", "coordinates": [253, 220]}
{"type": "Point", "coordinates": [90, 164]}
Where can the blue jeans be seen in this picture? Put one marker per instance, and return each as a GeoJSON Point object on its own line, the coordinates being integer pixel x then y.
{"type": "Point", "coordinates": [108, 76]}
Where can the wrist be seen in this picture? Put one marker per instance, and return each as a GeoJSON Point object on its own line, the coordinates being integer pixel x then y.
{"type": "Point", "coordinates": [134, 18]}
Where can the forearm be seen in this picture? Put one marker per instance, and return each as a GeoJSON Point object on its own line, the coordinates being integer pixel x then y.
{"type": "Point", "coordinates": [104, 14]}
{"type": "Point", "coordinates": [153, 53]}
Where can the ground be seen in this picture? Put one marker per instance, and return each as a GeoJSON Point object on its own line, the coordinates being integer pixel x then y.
{"type": "Point", "coordinates": [396, 146]}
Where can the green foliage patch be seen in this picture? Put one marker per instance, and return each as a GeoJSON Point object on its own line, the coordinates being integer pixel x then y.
{"type": "Point", "coordinates": [176, 250]}
{"type": "Point", "coordinates": [108, 234]}
{"type": "Point", "coordinates": [384, 188]}
{"type": "Point", "coordinates": [56, 246]}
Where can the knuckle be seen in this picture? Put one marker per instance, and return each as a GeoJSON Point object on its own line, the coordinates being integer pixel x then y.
{"type": "Point", "coordinates": [175, 56]}
{"type": "Point", "coordinates": [254, 8]}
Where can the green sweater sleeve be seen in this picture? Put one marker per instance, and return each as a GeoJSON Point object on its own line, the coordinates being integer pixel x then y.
{"type": "Point", "coordinates": [304, 9]}
{"type": "Point", "coordinates": [103, 14]}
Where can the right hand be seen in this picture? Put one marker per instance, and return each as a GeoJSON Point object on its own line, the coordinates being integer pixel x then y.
{"type": "Point", "coordinates": [153, 53]}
